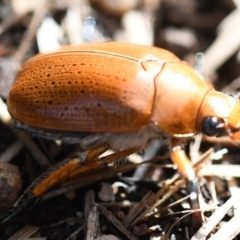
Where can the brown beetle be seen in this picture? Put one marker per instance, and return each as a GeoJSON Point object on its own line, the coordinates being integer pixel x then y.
{"type": "Point", "coordinates": [118, 96]}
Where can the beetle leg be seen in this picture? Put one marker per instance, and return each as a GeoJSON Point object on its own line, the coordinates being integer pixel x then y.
{"type": "Point", "coordinates": [85, 163]}
{"type": "Point", "coordinates": [100, 163]}
{"type": "Point", "coordinates": [61, 172]}
{"type": "Point", "coordinates": [67, 170]}
{"type": "Point", "coordinates": [184, 165]}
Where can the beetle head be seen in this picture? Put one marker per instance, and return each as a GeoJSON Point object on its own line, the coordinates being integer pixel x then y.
{"type": "Point", "coordinates": [220, 115]}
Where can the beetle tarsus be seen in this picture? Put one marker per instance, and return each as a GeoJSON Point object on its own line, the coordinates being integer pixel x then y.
{"type": "Point", "coordinates": [180, 158]}
{"type": "Point", "coordinates": [192, 187]}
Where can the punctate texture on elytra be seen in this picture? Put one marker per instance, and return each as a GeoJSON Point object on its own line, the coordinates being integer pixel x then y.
{"type": "Point", "coordinates": [115, 87]}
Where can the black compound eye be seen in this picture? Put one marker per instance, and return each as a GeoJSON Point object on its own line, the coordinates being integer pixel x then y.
{"type": "Point", "coordinates": [211, 126]}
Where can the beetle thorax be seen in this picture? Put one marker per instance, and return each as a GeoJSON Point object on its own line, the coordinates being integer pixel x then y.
{"type": "Point", "coordinates": [180, 92]}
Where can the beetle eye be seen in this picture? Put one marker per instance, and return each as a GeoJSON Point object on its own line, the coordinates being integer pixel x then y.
{"type": "Point", "coordinates": [211, 126]}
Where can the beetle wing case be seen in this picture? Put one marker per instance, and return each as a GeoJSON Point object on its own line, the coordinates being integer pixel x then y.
{"type": "Point", "coordinates": [92, 88]}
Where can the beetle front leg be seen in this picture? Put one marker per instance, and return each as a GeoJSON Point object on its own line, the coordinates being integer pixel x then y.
{"type": "Point", "coordinates": [183, 163]}
{"type": "Point", "coordinates": [185, 168]}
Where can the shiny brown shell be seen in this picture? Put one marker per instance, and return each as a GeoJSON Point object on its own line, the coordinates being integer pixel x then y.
{"type": "Point", "coordinates": [116, 87]}
{"type": "Point", "coordinates": [93, 87]}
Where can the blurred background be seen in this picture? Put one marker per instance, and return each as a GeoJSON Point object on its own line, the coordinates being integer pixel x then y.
{"type": "Point", "coordinates": [205, 33]}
